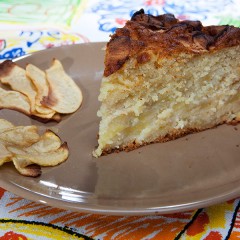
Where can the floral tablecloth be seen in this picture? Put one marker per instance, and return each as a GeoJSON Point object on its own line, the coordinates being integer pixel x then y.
{"type": "Point", "coordinates": [27, 26]}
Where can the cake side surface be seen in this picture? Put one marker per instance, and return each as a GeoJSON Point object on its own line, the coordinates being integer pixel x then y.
{"type": "Point", "coordinates": [161, 93]}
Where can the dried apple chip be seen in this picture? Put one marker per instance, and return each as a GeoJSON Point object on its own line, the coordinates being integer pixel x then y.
{"type": "Point", "coordinates": [4, 125]}
{"type": "Point", "coordinates": [48, 142]}
{"type": "Point", "coordinates": [38, 77]}
{"type": "Point", "coordinates": [28, 150]}
{"type": "Point", "coordinates": [26, 167]}
{"type": "Point", "coordinates": [44, 110]}
{"type": "Point", "coordinates": [5, 155]}
{"type": "Point", "coordinates": [23, 136]}
{"type": "Point", "coordinates": [64, 95]}
{"type": "Point", "coordinates": [52, 158]}
{"type": "Point", "coordinates": [44, 116]}
{"type": "Point", "coordinates": [41, 95]}
{"type": "Point", "coordinates": [15, 101]}
{"type": "Point", "coordinates": [15, 76]}
{"type": "Point", "coordinates": [57, 117]}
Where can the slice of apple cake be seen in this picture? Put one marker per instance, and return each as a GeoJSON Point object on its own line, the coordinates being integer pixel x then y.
{"type": "Point", "coordinates": [165, 78]}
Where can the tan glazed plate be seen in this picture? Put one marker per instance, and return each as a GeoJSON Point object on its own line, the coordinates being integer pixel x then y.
{"type": "Point", "coordinates": [192, 172]}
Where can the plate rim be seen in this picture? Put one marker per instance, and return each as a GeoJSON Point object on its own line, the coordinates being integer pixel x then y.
{"type": "Point", "coordinates": [74, 206]}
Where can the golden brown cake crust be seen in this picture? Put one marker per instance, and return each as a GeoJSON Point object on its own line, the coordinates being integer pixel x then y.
{"type": "Point", "coordinates": [164, 35]}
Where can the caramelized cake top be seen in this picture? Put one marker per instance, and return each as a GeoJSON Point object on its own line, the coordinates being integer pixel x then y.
{"type": "Point", "coordinates": [165, 35]}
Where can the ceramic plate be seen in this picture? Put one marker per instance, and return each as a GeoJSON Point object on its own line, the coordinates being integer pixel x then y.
{"type": "Point", "coordinates": [192, 172]}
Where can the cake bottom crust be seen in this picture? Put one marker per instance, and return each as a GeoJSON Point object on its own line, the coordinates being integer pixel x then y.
{"type": "Point", "coordinates": [175, 134]}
